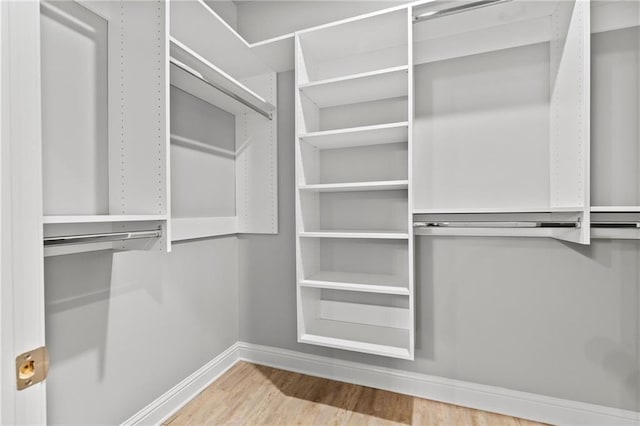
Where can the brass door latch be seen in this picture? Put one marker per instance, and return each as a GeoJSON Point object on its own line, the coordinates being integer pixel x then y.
{"type": "Point", "coordinates": [32, 367]}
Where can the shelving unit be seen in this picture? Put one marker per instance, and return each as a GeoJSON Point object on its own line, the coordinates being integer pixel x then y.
{"type": "Point", "coordinates": [615, 143]}
{"type": "Point", "coordinates": [501, 124]}
{"type": "Point", "coordinates": [105, 149]}
{"type": "Point", "coordinates": [353, 197]}
{"type": "Point", "coordinates": [223, 183]}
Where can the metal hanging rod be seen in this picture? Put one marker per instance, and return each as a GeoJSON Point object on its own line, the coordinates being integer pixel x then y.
{"type": "Point", "coordinates": [456, 9]}
{"type": "Point", "coordinates": [616, 225]}
{"type": "Point", "coordinates": [232, 95]}
{"type": "Point", "coordinates": [101, 238]}
{"type": "Point", "coordinates": [487, 224]}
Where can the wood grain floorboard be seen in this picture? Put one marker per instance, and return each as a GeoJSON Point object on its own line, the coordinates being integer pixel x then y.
{"type": "Point", "coordinates": [250, 394]}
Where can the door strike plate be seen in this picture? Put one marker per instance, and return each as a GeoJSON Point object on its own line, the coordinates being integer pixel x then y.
{"type": "Point", "coordinates": [32, 367]}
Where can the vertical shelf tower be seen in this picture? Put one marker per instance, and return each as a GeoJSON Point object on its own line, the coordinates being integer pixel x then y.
{"type": "Point", "coordinates": [353, 209]}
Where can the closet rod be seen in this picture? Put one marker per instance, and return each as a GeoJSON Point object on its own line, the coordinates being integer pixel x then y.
{"type": "Point", "coordinates": [100, 238]}
{"type": "Point", "coordinates": [197, 75]}
{"type": "Point", "coordinates": [456, 9]}
{"type": "Point", "coordinates": [487, 224]}
{"type": "Point", "coordinates": [620, 225]}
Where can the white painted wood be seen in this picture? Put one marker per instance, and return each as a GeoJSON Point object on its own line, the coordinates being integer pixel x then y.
{"type": "Point", "coordinates": [611, 15]}
{"type": "Point", "coordinates": [364, 87]}
{"type": "Point", "coordinates": [615, 209]}
{"type": "Point", "coordinates": [378, 235]}
{"type": "Point", "coordinates": [276, 53]}
{"type": "Point", "coordinates": [101, 218]}
{"type": "Point", "coordinates": [203, 227]}
{"type": "Point", "coordinates": [570, 112]}
{"type": "Point", "coordinates": [22, 285]}
{"type": "Point", "coordinates": [358, 136]}
{"type": "Point", "coordinates": [222, 45]}
{"type": "Point", "coordinates": [474, 210]}
{"type": "Point", "coordinates": [356, 186]}
{"type": "Point", "coordinates": [525, 405]}
{"type": "Point", "coordinates": [184, 56]}
{"type": "Point", "coordinates": [353, 281]}
{"type": "Point", "coordinates": [485, 232]}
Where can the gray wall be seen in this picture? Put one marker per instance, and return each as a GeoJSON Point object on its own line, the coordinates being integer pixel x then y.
{"type": "Point", "coordinates": [123, 328]}
{"type": "Point", "coordinates": [535, 315]}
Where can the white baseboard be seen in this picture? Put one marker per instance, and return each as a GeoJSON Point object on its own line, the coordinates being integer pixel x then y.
{"type": "Point", "coordinates": [482, 397]}
{"type": "Point", "coordinates": [171, 401]}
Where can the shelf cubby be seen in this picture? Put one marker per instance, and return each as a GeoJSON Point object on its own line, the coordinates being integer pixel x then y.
{"type": "Point", "coordinates": [500, 124]}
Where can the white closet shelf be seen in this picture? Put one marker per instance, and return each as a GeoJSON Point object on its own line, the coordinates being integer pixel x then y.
{"type": "Point", "coordinates": [101, 218]}
{"type": "Point", "coordinates": [202, 227]}
{"type": "Point", "coordinates": [350, 281]}
{"type": "Point", "coordinates": [499, 210]}
{"type": "Point", "coordinates": [380, 235]}
{"type": "Point", "coordinates": [385, 341]}
{"type": "Point", "coordinates": [193, 74]}
{"type": "Point", "coordinates": [615, 209]}
{"type": "Point", "coordinates": [389, 185]}
{"type": "Point", "coordinates": [369, 86]}
{"type": "Point", "coordinates": [358, 136]}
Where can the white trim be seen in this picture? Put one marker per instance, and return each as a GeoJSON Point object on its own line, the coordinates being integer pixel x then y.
{"type": "Point", "coordinates": [481, 397]}
{"type": "Point", "coordinates": [177, 397]}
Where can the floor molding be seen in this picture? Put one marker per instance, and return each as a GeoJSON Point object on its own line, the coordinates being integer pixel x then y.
{"type": "Point", "coordinates": [482, 397]}
{"type": "Point", "coordinates": [488, 398]}
{"type": "Point", "coordinates": [177, 397]}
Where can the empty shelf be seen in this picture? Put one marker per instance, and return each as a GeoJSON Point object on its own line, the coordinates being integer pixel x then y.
{"type": "Point", "coordinates": [389, 185]}
{"type": "Point", "coordinates": [358, 136]}
{"type": "Point", "coordinates": [101, 218]}
{"type": "Point", "coordinates": [615, 209]}
{"type": "Point", "coordinates": [350, 281]}
{"type": "Point", "coordinates": [383, 235]}
{"type": "Point", "coordinates": [386, 341]}
{"type": "Point", "coordinates": [195, 75]}
{"type": "Point", "coordinates": [364, 87]}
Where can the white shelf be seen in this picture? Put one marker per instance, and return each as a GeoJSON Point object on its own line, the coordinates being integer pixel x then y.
{"type": "Point", "coordinates": [511, 210]}
{"type": "Point", "coordinates": [195, 75]}
{"type": "Point", "coordinates": [363, 87]}
{"type": "Point", "coordinates": [615, 209]}
{"type": "Point", "coordinates": [379, 235]}
{"type": "Point", "coordinates": [385, 341]}
{"type": "Point", "coordinates": [350, 281]}
{"type": "Point", "coordinates": [101, 218]}
{"type": "Point", "coordinates": [358, 136]}
{"type": "Point", "coordinates": [198, 26]}
{"type": "Point", "coordinates": [202, 227]}
{"type": "Point", "coordinates": [389, 185]}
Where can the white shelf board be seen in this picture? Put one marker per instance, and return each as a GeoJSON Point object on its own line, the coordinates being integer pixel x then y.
{"type": "Point", "coordinates": [101, 218]}
{"type": "Point", "coordinates": [379, 235]}
{"type": "Point", "coordinates": [615, 209]}
{"type": "Point", "coordinates": [202, 227]}
{"type": "Point", "coordinates": [352, 281]}
{"type": "Point", "coordinates": [198, 26]}
{"type": "Point", "coordinates": [358, 136]}
{"type": "Point", "coordinates": [390, 185]}
{"type": "Point", "coordinates": [615, 234]}
{"type": "Point", "coordinates": [277, 53]}
{"type": "Point", "coordinates": [363, 87]}
{"type": "Point", "coordinates": [484, 232]}
{"type": "Point", "coordinates": [385, 341]}
{"type": "Point", "coordinates": [187, 65]}
{"type": "Point", "coordinates": [499, 210]}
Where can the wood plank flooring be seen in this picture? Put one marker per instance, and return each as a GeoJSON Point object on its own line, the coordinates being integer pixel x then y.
{"type": "Point", "coordinates": [251, 394]}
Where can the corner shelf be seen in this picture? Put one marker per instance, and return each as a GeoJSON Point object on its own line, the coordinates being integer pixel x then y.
{"type": "Point", "coordinates": [369, 86]}
{"type": "Point", "coordinates": [75, 219]}
{"type": "Point", "coordinates": [358, 136]}
{"type": "Point", "coordinates": [195, 75]}
{"type": "Point", "coordinates": [190, 228]}
{"type": "Point", "coordinates": [390, 185]}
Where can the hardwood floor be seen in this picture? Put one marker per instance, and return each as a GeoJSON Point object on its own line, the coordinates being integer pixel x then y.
{"type": "Point", "coordinates": [251, 394]}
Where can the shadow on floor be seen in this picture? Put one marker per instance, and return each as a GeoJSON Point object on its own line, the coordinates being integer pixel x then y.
{"type": "Point", "coordinates": [352, 398]}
